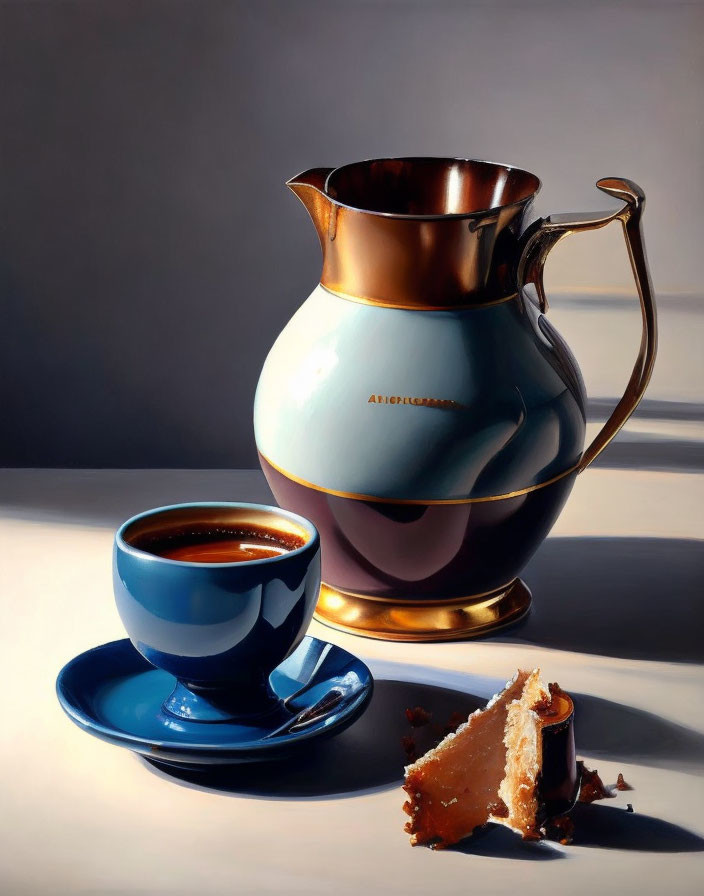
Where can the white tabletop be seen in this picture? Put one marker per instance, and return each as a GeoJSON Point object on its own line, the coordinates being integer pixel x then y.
{"type": "Point", "coordinates": [617, 621]}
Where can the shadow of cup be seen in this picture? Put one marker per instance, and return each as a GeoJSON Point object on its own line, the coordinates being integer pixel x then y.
{"type": "Point", "coordinates": [369, 755]}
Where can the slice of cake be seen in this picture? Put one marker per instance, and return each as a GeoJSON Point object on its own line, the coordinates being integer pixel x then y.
{"type": "Point", "coordinates": [512, 762]}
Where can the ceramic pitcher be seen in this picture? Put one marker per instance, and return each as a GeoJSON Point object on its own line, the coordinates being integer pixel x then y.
{"type": "Point", "coordinates": [419, 407]}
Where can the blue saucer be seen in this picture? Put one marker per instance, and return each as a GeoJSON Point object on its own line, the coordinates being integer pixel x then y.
{"type": "Point", "coordinates": [115, 694]}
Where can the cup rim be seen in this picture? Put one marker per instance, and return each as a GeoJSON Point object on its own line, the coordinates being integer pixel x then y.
{"type": "Point", "coordinates": [127, 548]}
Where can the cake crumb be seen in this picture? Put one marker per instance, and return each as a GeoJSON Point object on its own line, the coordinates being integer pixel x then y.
{"type": "Point", "coordinates": [409, 748]}
{"type": "Point", "coordinates": [621, 784]}
{"type": "Point", "coordinates": [418, 716]}
{"type": "Point", "coordinates": [592, 787]}
{"type": "Point", "coordinates": [544, 706]}
{"type": "Point", "coordinates": [560, 829]}
{"type": "Point", "coordinates": [629, 807]}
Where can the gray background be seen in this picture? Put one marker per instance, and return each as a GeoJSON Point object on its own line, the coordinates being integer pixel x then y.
{"type": "Point", "coordinates": [149, 252]}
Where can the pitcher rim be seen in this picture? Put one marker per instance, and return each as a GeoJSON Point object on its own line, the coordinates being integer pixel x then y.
{"type": "Point", "coordinates": [477, 213]}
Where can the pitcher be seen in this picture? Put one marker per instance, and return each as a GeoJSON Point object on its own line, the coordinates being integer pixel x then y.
{"type": "Point", "coordinates": [419, 407]}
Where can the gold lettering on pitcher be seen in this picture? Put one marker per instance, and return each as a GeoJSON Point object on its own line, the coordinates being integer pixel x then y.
{"type": "Point", "coordinates": [406, 399]}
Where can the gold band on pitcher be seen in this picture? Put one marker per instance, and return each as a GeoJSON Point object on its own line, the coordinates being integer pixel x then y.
{"type": "Point", "coordinates": [416, 306]}
{"type": "Point", "coordinates": [357, 496]}
{"type": "Point", "coordinates": [422, 603]}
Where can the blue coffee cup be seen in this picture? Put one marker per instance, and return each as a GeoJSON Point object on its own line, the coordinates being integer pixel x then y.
{"type": "Point", "coordinates": [219, 628]}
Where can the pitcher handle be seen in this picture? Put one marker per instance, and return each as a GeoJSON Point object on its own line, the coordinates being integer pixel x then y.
{"type": "Point", "coordinates": [539, 239]}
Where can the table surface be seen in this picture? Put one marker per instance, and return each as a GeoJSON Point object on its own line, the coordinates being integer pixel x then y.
{"type": "Point", "coordinates": [617, 620]}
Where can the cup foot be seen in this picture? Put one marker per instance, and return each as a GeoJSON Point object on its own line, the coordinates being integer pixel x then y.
{"type": "Point", "coordinates": [423, 620]}
{"type": "Point", "coordinates": [221, 704]}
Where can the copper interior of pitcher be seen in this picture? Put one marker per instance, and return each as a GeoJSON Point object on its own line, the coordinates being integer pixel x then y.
{"type": "Point", "coordinates": [429, 187]}
{"type": "Point", "coordinates": [422, 233]}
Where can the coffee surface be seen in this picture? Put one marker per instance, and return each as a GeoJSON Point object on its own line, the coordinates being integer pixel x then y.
{"type": "Point", "coordinates": [210, 544]}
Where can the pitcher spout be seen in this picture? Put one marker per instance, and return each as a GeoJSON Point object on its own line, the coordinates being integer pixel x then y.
{"type": "Point", "coordinates": [309, 187]}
